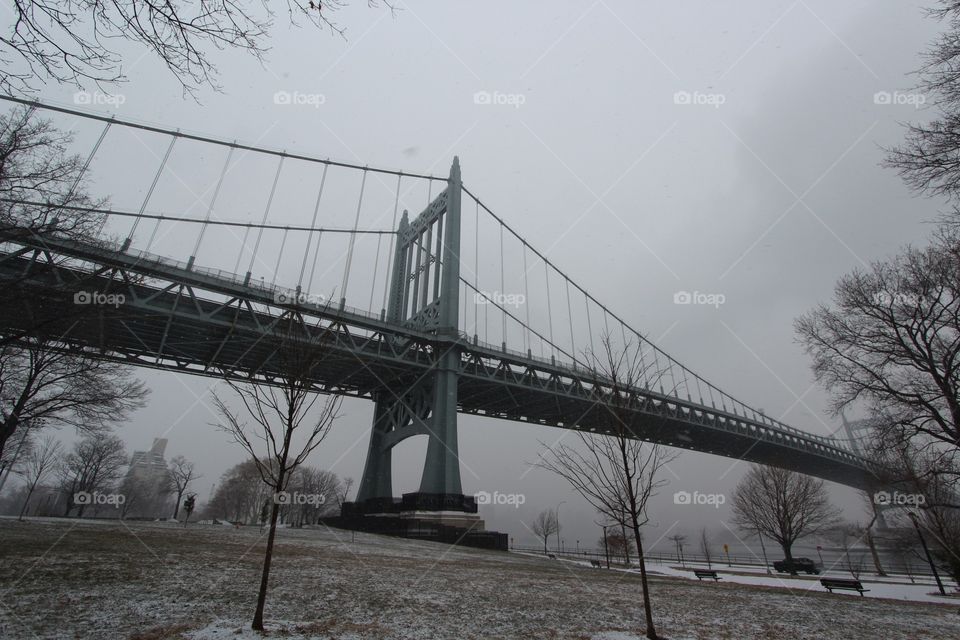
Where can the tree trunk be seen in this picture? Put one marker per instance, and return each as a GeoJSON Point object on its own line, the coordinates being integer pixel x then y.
{"type": "Point", "coordinates": [265, 577]}
{"type": "Point", "coordinates": [26, 501]}
{"type": "Point", "coordinates": [626, 545]}
{"type": "Point", "coordinates": [647, 608]}
{"type": "Point", "coordinates": [6, 431]}
{"type": "Point", "coordinates": [176, 507]}
{"type": "Point", "coordinates": [788, 557]}
{"type": "Point", "coordinates": [873, 552]}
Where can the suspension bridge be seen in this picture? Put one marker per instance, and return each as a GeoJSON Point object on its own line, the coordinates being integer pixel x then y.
{"type": "Point", "coordinates": [429, 303]}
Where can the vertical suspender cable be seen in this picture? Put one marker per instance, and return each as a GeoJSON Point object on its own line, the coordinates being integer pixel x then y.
{"type": "Point", "coordinates": [263, 221]}
{"type": "Point", "coordinates": [353, 238]}
{"type": "Point", "coordinates": [376, 265]}
{"type": "Point", "coordinates": [526, 299]}
{"type": "Point", "coordinates": [153, 185]}
{"type": "Point", "coordinates": [283, 244]}
{"type": "Point", "coordinates": [313, 225]}
{"type": "Point", "coordinates": [213, 200]}
{"type": "Point", "coordinates": [476, 270]}
{"type": "Point", "coordinates": [643, 365]}
{"type": "Point", "coordinates": [573, 345]}
{"type": "Point", "coordinates": [81, 173]}
{"type": "Point", "coordinates": [393, 227]}
{"type": "Point", "coordinates": [586, 304]}
{"type": "Point", "coordinates": [316, 255]}
{"type": "Point", "coordinates": [243, 245]}
{"type": "Point", "coordinates": [546, 273]}
{"type": "Point", "coordinates": [153, 234]}
{"type": "Point", "coordinates": [503, 293]}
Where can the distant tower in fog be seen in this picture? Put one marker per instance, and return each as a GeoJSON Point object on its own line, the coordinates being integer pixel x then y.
{"type": "Point", "coordinates": [149, 465]}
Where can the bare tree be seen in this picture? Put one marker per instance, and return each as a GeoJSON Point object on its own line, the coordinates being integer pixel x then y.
{"type": "Point", "coordinates": [39, 462]}
{"type": "Point", "coordinates": [892, 341]}
{"type": "Point", "coordinates": [279, 414]}
{"type": "Point", "coordinates": [92, 467]}
{"type": "Point", "coordinates": [929, 158]}
{"type": "Point", "coordinates": [619, 545]}
{"type": "Point", "coordinates": [847, 534]}
{"type": "Point", "coordinates": [20, 444]}
{"type": "Point", "coordinates": [313, 494]}
{"type": "Point", "coordinates": [181, 473]}
{"type": "Point", "coordinates": [678, 541]}
{"type": "Point", "coordinates": [617, 473]}
{"type": "Point", "coordinates": [42, 385]}
{"type": "Point", "coordinates": [544, 526]}
{"type": "Point", "coordinates": [71, 42]}
{"type": "Point", "coordinates": [239, 494]}
{"type": "Point", "coordinates": [930, 477]}
{"type": "Point", "coordinates": [705, 547]}
{"type": "Point", "coordinates": [782, 505]}
{"type": "Point", "coordinates": [43, 188]}
{"type": "Point", "coordinates": [344, 492]}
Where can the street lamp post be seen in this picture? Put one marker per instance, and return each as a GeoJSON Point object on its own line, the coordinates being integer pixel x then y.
{"type": "Point", "coordinates": [606, 551]}
{"type": "Point", "coordinates": [923, 543]}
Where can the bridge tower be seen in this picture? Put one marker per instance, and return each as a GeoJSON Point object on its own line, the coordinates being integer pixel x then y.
{"type": "Point", "coordinates": [424, 294]}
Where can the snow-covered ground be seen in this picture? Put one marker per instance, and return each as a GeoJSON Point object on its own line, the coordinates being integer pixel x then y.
{"type": "Point", "coordinates": [74, 579]}
{"type": "Point", "coordinates": [897, 588]}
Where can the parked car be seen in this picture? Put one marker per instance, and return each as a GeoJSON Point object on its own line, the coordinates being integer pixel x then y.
{"type": "Point", "coordinates": [800, 565]}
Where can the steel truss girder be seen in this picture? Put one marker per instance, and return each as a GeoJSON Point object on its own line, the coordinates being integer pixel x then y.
{"type": "Point", "coordinates": [233, 336]}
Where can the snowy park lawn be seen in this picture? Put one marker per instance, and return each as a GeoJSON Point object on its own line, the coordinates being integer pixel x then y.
{"type": "Point", "coordinates": [73, 579]}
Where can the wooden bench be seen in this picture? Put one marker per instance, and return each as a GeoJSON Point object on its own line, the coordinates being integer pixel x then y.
{"type": "Point", "coordinates": [551, 556]}
{"type": "Point", "coordinates": [842, 583]}
{"type": "Point", "coordinates": [706, 574]}
{"type": "Point", "coordinates": [596, 564]}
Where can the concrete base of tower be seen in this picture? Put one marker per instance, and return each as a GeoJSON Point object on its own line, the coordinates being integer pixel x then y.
{"type": "Point", "coordinates": [441, 517]}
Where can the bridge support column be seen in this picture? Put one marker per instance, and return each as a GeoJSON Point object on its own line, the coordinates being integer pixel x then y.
{"type": "Point", "coordinates": [377, 477]}
{"type": "Point", "coordinates": [424, 295]}
{"type": "Point", "coordinates": [441, 470]}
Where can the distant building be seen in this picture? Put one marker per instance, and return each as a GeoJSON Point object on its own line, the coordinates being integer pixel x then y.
{"type": "Point", "coordinates": [149, 465]}
{"type": "Point", "coordinates": [146, 482]}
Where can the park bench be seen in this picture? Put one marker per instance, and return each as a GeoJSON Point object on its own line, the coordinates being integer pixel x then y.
{"type": "Point", "coordinates": [595, 563]}
{"type": "Point", "coordinates": [706, 574]}
{"type": "Point", "coordinates": [551, 556]}
{"type": "Point", "coordinates": [842, 583]}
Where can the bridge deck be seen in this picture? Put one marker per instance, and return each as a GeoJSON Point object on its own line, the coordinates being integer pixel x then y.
{"type": "Point", "coordinates": [215, 324]}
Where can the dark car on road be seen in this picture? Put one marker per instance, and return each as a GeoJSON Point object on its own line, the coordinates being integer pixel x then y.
{"type": "Point", "coordinates": [799, 565]}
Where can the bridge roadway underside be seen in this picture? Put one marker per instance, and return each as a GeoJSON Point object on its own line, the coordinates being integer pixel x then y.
{"type": "Point", "coordinates": [167, 326]}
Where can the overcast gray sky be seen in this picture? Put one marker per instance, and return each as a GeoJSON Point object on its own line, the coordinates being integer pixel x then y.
{"type": "Point", "coordinates": [647, 148]}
